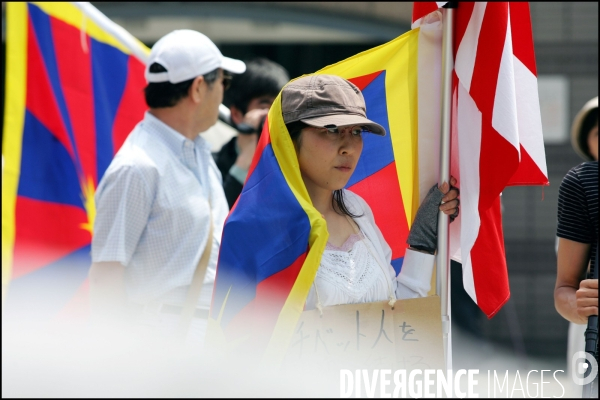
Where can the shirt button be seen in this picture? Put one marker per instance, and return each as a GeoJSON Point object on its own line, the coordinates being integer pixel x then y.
{"type": "Point", "coordinates": [188, 144]}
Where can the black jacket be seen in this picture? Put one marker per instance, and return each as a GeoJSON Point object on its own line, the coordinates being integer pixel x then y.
{"type": "Point", "coordinates": [225, 159]}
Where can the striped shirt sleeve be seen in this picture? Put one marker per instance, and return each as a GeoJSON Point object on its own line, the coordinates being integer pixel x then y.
{"type": "Point", "coordinates": [573, 212]}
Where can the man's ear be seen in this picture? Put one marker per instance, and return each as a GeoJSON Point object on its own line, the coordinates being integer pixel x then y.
{"type": "Point", "coordinates": [197, 89]}
{"type": "Point", "coordinates": [237, 115]}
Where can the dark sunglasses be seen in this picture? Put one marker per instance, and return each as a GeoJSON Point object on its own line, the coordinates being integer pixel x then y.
{"type": "Point", "coordinates": [226, 80]}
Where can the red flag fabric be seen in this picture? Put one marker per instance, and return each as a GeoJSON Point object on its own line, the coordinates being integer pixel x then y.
{"type": "Point", "coordinates": [497, 136]}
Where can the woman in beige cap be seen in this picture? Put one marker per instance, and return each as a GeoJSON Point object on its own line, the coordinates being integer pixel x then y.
{"type": "Point", "coordinates": [325, 116]}
{"type": "Point", "coordinates": [328, 249]}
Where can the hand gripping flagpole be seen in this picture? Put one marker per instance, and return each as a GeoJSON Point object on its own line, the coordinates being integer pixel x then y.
{"type": "Point", "coordinates": [442, 260]}
{"type": "Point", "coordinates": [590, 389]}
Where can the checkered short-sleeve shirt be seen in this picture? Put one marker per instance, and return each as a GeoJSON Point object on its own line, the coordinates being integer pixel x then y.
{"type": "Point", "coordinates": [152, 213]}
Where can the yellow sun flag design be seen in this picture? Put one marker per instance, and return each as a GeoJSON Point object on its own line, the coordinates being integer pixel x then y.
{"type": "Point", "coordinates": [88, 191]}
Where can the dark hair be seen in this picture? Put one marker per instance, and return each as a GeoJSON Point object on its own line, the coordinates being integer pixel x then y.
{"type": "Point", "coordinates": [261, 78]}
{"type": "Point", "coordinates": [295, 129]}
{"type": "Point", "coordinates": [590, 120]}
{"type": "Point", "coordinates": [167, 94]}
{"type": "Point", "coordinates": [337, 201]}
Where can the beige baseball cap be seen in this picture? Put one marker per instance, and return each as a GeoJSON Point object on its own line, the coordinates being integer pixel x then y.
{"type": "Point", "coordinates": [578, 136]}
{"type": "Point", "coordinates": [186, 54]}
{"type": "Point", "coordinates": [323, 100]}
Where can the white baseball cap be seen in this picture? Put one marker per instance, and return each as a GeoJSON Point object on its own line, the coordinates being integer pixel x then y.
{"type": "Point", "coordinates": [186, 54]}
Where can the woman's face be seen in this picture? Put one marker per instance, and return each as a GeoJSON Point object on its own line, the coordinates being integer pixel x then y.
{"type": "Point", "coordinates": [328, 158]}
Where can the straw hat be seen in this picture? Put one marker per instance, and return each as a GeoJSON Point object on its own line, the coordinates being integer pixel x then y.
{"type": "Point", "coordinates": [579, 133]}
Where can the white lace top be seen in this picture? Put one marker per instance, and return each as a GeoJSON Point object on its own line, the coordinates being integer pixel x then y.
{"type": "Point", "coordinates": [360, 271]}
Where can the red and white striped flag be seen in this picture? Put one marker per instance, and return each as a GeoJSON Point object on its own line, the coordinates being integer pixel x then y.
{"type": "Point", "coordinates": [496, 136]}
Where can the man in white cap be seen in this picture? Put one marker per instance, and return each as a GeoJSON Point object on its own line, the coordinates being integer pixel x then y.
{"type": "Point", "coordinates": [160, 204]}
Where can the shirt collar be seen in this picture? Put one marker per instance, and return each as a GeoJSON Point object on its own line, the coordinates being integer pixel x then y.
{"type": "Point", "coordinates": [170, 137]}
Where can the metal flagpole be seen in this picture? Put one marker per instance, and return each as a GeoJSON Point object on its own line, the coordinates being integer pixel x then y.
{"type": "Point", "coordinates": [443, 260]}
{"type": "Point", "coordinates": [590, 390]}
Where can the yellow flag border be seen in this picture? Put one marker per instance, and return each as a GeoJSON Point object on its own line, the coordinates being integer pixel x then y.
{"type": "Point", "coordinates": [14, 119]}
{"type": "Point", "coordinates": [74, 16]}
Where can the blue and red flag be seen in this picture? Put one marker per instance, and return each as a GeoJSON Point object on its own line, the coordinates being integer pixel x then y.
{"type": "Point", "coordinates": [274, 238]}
{"type": "Point", "coordinates": [74, 91]}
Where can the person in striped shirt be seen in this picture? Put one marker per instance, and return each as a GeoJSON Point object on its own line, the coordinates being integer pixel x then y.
{"type": "Point", "coordinates": [575, 297]}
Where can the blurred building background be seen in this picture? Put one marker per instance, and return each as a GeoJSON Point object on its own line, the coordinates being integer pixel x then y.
{"type": "Point", "coordinates": [306, 36]}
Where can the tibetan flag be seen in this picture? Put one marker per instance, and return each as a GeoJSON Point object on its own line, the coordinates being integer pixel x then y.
{"type": "Point", "coordinates": [496, 136]}
{"type": "Point", "coordinates": [74, 91]}
{"type": "Point", "coordinates": [274, 238]}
